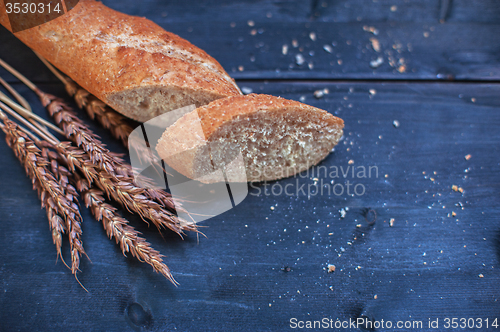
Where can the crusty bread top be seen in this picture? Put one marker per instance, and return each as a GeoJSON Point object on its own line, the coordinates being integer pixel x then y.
{"type": "Point", "coordinates": [220, 111]}
{"type": "Point", "coordinates": [263, 128]}
{"type": "Point", "coordinates": [108, 52]}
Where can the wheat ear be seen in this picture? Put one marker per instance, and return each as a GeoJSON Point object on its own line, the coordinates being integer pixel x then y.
{"type": "Point", "coordinates": [51, 192]}
{"type": "Point", "coordinates": [118, 227]}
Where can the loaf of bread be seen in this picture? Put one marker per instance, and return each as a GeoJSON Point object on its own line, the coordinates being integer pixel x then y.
{"type": "Point", "coordinates": [128, 62]}
{"type": "Point", "coordinates": [274, 137]}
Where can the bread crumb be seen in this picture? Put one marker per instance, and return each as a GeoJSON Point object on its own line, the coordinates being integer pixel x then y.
{"type": "Point", "coordinates": [402, 69]}
{"type": "Point", "coordinates": [454, 187]}
{"type": "Point", "coordinates": [395, 123]}
{"type": "Point", "coordinates": [327, 48]}
{"type": "Point", "coordinates": [461, 190]}
{"type": "Point", "coordinates": [386, 176]}
{"type": "Point", "coordinates": [432, 179]}
{"type": "Point", "coordinates": [246, 90]}
{"type": "Point", "coordinates": [373, 92]}
{"type": "Point", "coordinates": [453, 214]}
{"type": "Point", "coordinates": [481, 275]}
{"type": "Point", "coordinates": [375, 296]}
{"type": "Point", "coordinates": [375, 44]}
{"type": "Point", "coordinates": [376, 63]}
{"type": "Point", "coordinates": [339, 61]}
{"type": "Point", "coordinates": [391, 222]}
{"type": "Point", "coordinates": [370, 29]}
{"type": "Point", "coordinates": [295, 43]}
{"type": "Point", "coordinates": [426, 34]}
{"type": "Point", "coordinates": [299, 59]}
{"type": "Point", "coordinates": [467, 157]}
{"type": "Point", "coordinates": [253, 32]}
{"type": "Point", "coordinates": [250, 23]}
{"type": "Point", "coordinates": [350, 162]}
{"type": "Point", "coordinates": [320, 93]}
{"type": "Point", "coordinates": [358, 225]}
{"type": "Point", "coordinates": [394, 8]}
{"type": "Point", "coordinates": [342, 213]}
{"type": "Point", "coordinates": [310, 65]}
{"type": "Point", "coordinates": [331, 268]}
{"type": "Point", "coordinates": [284, 49]}
{"type": "Point", "coordinates": [241, 68]}
{"type": "Point", "coordinates": [272, 208]}
{"type": "Point", "coordinates": [473, 100]}
{"type": "Point", "coordinates": [312, 35]}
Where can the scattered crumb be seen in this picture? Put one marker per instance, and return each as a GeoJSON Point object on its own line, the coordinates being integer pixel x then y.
{"type": "Point", "coordinates": [453, 214]}
{"type": "Point", "coordinates": [467, 157]}
{"type": "Point", "coordinates": [331, 268]}
{"type": "Point", "coordinates": [358, 225]}
{"type": "Point", "coordinates": [312, 35]}
{"type": "Point", "coordinates": [402, 69]}
{"type": "Point", "coordinates": [454, 188]}
{"type": "Point", "coordinates": [432, 179]}
{"type": "Point", "coordinates": [375, 44]}
{"type": "Point", "coordinates": [320, 93]}
{"type": "Point", "coordinates": [327, 48]}
{"type": "Point", "coordinates": [373, 92]}
{"type": "Point", "coordinates": [375, 296]}
{"type": "Point", "coordinates": [394, 8]}
{"type": "Point", "coordinates": [302, 99]}
{"type": "Point", "coordinates": [253, 32]}
{"type": "Point", "coordinates": [473, 100]}
{"type": "Point", "coordinates": [342, 213]}
{"type": "Point", "coordinates": [426, 34]}
{"type": "Point", "coordinates": [284, 49]}
{"type": "Point", "coordinates": [339, 61]}
{"type": "Point", "coordinates": [481, 275]}
{"type": "Point", "coordinates": [241, 68]}
{"type": "Point", "coordinates": [395, 123]}
{"type": "Point", "coordinates": [272, 208]}
{"type": "Point", "coordinates": [251, 23]}
{"type": "Point", "coordinates": [391, 222]}
{"type": "Point", "coordinates": [376, 63]}
{"type": "Point", "coordinates": [299, 59]}
{"type": "Point", "coordinates": [386, 176]}
{"type": "Point", "coordinates": [350, 162]}
{"type": "Point", "coordinates": [246, 90]}
{"type": "Point", "coordinates": [310, 65]}
{"type": "Point", "coordinates": [295, 43]}
{"type": "Point", "coordinates": [370, 29]}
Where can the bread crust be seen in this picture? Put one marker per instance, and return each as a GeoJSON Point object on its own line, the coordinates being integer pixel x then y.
{"type": "Point", "coordinates": [110, 54]}
{"type": "Point", "coordinates": [183, 145]}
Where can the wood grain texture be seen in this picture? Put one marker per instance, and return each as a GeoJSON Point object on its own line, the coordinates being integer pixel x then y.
{"type": "Point", "coordinates": [464, 47]}
{"type": "Point", "coordinates": [260, 267]}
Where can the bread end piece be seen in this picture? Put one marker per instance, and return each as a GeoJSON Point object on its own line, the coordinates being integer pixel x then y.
{"type": "Point", "coordinates": [277, 138]}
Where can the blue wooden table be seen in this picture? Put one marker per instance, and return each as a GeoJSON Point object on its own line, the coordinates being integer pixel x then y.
{"type": "Point", "coordinates": [417, 84]}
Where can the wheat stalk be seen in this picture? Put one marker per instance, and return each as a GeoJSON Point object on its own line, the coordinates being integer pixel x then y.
{"type": "Point", "coordinates": [53, 194]}
{"type": "Point", "coordinates": [105, 115]}
{"type": "Point", "coordinates": [118, 227]}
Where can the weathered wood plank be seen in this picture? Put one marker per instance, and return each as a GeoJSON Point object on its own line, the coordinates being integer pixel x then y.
{"type": "Point", "coordinates": [259, 267]}
{"type": "Point", "coordinates": [413, 44]}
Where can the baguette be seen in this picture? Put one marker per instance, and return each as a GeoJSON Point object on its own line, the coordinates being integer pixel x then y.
{"type": "Point", "coordinates": [128, 62]}
{"type": "Point", "coordinates": [276, 137]}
